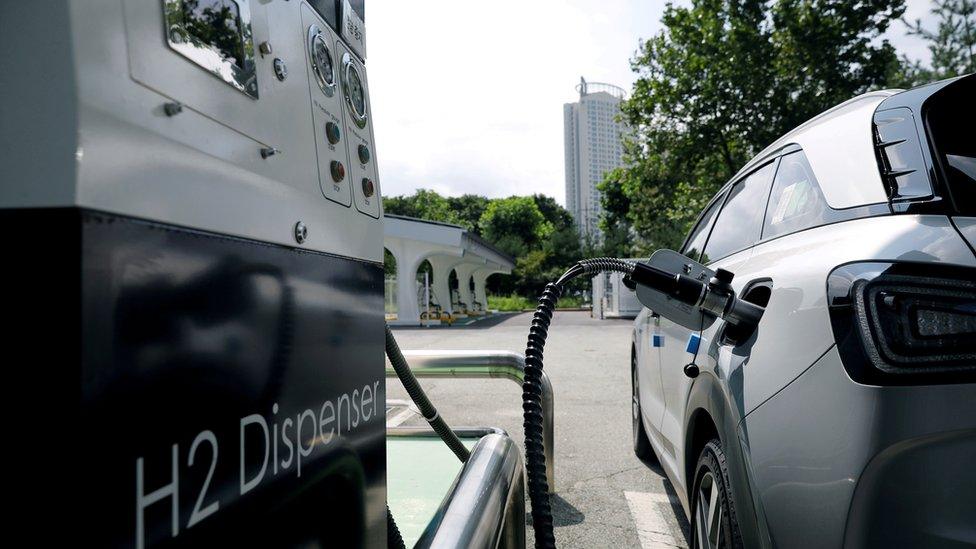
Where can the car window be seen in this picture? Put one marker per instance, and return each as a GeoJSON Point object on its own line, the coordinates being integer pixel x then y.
{"type": "Point", "coordinates": [796, 202]}
{"type": "Point", "coordinates": [696, 240]}
{"type": "Point", "coordinates": [739, 223]}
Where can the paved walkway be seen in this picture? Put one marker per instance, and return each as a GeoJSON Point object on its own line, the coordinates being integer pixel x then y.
{"type": "Point", "coordinates": [606, 497]}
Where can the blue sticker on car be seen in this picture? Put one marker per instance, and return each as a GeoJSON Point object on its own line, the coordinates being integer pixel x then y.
{"type": "Point", "coordinates": [657, 340]}
{"type": "Point", "coordinates": [693, 341]}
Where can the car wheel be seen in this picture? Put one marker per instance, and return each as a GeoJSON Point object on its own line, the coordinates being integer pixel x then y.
{"type": "Point", "coordinates": [713, 518]}
{"type": "Point", "coordinates": [642, 446]}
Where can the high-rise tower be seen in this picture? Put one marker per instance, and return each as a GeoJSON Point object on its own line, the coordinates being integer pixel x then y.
{"type": "Point", "coordinates": [594, 146]}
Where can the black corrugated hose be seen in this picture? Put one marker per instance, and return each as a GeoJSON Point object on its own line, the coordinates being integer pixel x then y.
{"type": "Point", "coordinates": [532, 392]}
{"type": "Point", "coordinates": [393, 538]}
{"type": "Point", "coordinates": [419, 398]}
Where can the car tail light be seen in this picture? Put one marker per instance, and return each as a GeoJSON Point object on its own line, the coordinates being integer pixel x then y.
{"type": "Point", "coordinates": [905, 323]}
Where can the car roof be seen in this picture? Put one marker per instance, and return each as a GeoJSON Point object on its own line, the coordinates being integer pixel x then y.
{"type": "Point", "coordinates": [839, 144]}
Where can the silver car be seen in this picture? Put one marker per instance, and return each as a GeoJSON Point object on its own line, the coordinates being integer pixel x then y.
{"type": "Point", "coordinates": [848, 417]}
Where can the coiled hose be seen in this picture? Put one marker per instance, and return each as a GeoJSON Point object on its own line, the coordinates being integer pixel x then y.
{"type": "Point", "coordinates": [532, 391]}
{"type": "Point", "coordinates": [419, 398]}
{"type": "Point", "coordinates": [393, 538]}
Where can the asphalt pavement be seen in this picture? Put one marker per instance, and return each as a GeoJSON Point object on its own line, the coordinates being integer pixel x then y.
{"type": "Point", "coordinates": [605, 496]}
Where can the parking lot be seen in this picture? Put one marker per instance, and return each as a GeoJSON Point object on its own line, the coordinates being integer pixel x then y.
{"type": "Point", "coordinates": [605, 496]}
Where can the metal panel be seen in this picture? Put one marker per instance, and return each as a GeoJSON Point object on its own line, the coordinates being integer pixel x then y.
{"type": "Point", "coordinates": [359, 133]}
{"type": "Point", "coordinates": [798, 265]}
{"type": "Point", "coordinates": [154, 63]}
{"type": "Point", "coordinates": [238, 383]}
{"type": "Point", "coordinates": [824, 439]}
{"type": "Point", "coordinates": [967, 227]}
{"type": "Point", "coordinates": [102, 140]}
{"type": "Point", "coordinates": [326, 109]}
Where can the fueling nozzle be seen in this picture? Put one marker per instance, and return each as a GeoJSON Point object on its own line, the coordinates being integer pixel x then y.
{"type": "Point", "coordinates": [713, 297]}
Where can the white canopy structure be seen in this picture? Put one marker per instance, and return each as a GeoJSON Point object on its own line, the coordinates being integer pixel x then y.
{"type": "Point", "coordinates": [447, 247]}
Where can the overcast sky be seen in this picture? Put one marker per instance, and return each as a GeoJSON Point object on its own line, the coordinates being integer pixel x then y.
{"type": "Point", "coordinates": [467, 96]}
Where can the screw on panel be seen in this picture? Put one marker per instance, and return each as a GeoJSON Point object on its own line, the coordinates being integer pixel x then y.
{"type": "Point", "coordinates": [301, 232]}
{"type": "Point", "coordinates": [172, 108]}
{"type": "Point", "coordinates": [268, 152]}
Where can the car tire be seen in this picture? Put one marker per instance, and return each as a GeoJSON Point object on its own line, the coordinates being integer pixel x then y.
{"type": "Point", "coordinates": [642, 445]}
{"type": "Point", "coordinates": [714, 524]}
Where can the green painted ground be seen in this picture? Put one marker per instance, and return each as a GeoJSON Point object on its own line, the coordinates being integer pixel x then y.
{"type": "Point", "coordinates": [420, 471]}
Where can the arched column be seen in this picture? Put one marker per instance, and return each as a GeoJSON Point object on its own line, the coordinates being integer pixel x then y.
{"type": "Point", "coordinates": [480, 276]}
{"type": "Point", "coordinates": [409, 254]}
{"type": "Point", "coordinates": [442, 266]}
{"type": "Point", "coordinates": [407, 260]}
{"type": "Point", "coordinates": [464, 271]}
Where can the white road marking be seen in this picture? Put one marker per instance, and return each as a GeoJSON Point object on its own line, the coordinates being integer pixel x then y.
{"type": "Point", "coordinates": [653, 529]}
{"type": "Point", "coordinates": [393, 403]}
{"type": "Point", "coordinates": [404, 415]}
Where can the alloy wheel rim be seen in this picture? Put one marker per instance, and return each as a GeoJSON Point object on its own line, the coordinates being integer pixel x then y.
{"type": "Point", "coordinates": [708, 514]}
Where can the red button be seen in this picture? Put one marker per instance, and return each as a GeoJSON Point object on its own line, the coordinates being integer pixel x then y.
{"type": "Point", "coordinates": [338, 171]}
{"type": "Point", "coordinates": [368, 188]}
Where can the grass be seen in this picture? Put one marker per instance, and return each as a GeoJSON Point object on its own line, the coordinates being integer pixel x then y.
{"type": "Point", "coordinates": [520, 303]}
{"type": "Point", "coordinates": [509, 302]}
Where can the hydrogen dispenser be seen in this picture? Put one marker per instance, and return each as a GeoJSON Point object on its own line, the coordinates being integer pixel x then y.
{"type": "Point", "coordinates": [193, 283]}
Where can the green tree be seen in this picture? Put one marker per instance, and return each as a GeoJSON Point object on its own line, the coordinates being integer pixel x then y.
{"type": "Point", "coordinates": [514, 224]}
{"type": "Point", "coordinates": [618, 239]}
{"type": "Point", "coordinates": [399, 205]}
{"type": "Point", "coordinates": [952, 43]}
{"type": "Point", "coordinates": [469, 208]}
{"type": "Point", "coordinates": [423, 204]}
{"type": "Point", "coordinates": [555, 214]}
{"type": "Point", "coordinates": [389, 263]}
{"type": "Point", "coordinates": [723, 79]}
